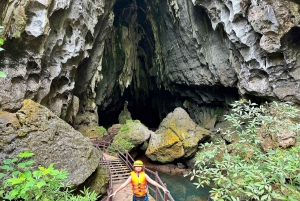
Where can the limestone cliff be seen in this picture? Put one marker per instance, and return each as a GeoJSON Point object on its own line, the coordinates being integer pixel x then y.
{"type": "Point", "coordinates": [82, 59]}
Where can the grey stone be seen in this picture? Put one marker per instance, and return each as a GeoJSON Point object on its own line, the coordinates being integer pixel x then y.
{"type": "Point", "coordinates": [36, 129]}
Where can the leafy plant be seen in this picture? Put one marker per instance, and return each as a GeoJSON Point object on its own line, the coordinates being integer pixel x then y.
{"type": "Point", "coordinates": [46, 184]}
{"type": "Point", "coordinates": [241, 170]}
{"type": "Point", "coordinates": [2, 74]}
{"type": "Point", "coordinates": [1, 49]}
{"type": "Point", "coordinates": [101, 130]}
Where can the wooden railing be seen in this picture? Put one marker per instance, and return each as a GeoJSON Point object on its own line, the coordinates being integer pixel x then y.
{"type": "Point", "coordinates": [123, 154]}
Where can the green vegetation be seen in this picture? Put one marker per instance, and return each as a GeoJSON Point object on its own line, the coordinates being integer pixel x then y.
{"type": "Point", "coordinates": [243, 170]}
{"type": "Point", "coordinates": [124, 136]}
{"type": "Point", "coordinates": [1, 49]}
{"type": "Point", "coordinates": [92, 131]}
{"type": "Point", "coordinates": [46, 184]}
{"type": "Point", "coordinates": [100, 130]}
{"type": "Point", "coordinates": [122, 143]}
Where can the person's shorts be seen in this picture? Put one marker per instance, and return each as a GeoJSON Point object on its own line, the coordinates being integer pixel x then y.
{"type": "Point", "coordinates": [144, 198]}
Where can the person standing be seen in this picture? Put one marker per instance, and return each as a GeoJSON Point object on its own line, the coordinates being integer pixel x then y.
{"type": "Point", "coordinates": [138, 179]}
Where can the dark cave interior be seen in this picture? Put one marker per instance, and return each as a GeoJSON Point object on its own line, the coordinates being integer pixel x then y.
{"type": "Point", "coordinates": [147, 101]}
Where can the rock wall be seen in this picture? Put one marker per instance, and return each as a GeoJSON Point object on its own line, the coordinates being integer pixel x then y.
{"type": "Point", "coordinates": [53, 53]}
{"type": "Point", "coordinates": [265, 37]}
{"type": "Point", "coordinates": [81, 59]}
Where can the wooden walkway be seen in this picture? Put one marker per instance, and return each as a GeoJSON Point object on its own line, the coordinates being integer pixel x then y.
{"type": "Point", "coordinates": [120, 172]}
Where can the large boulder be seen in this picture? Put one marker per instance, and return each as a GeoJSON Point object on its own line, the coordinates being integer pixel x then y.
{"type": "Point", "coordinates": [132, 134]}
{"type": "Point", "coordinates": [37, 129]}
{"type": "Point", "coordinates": [177, 136]}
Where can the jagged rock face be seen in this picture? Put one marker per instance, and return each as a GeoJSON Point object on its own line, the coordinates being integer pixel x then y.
{"type": "Point", "coordinates": [37, 129]}
{"type": "Point", "coordinates": [176, 60]}
{"type": "Point", "coordinates": [190, 45]}
{"type": "Point", "coordinates": [177, 137]}
{"type": "Point", "coordinates": [78, 56]}
{"type": "Point", "coordinates": [45, 43]}
{"type": "Point", "coordinates": [265, 36]}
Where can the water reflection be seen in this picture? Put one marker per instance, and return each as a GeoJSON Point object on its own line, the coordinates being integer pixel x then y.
{"type": "Point", "coordinates": [182, 189]}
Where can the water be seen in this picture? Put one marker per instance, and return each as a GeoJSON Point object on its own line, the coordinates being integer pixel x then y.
{"type": "Point", "coordinates": [182, 189]}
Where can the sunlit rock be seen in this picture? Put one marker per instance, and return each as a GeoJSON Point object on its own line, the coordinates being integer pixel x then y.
{"type": "Point", "coordinates": [177, 136]}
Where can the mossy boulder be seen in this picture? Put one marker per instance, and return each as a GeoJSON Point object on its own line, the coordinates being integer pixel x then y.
{"type": "Point", "coordinates": [98, 182]}
{"type": "Point", "coordinates": [92, 131]}
{"type": "Point", "coordinates": [132, 134]}
{"type": "Point", "coordinates": [52, 140]}
{"type": "Point", "coordinates": [177, 137]}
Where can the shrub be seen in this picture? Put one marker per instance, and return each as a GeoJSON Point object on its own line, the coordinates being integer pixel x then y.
{"type": "Point", "coordinates": [244, 171]}
{"type": "Point", "coordinates": [100, 130]}
{"type": "Point", "coordinates": [20, 182]}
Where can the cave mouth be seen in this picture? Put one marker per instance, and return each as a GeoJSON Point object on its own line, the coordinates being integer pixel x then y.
{"type": "Point", "coordinates": [148, 100]}
{"type": "Point", "coordinates": [150, 109]}
{"type": "Point", "coordinates": [145, 112]}
{"type": "Point", "coordinates": [143, 95]}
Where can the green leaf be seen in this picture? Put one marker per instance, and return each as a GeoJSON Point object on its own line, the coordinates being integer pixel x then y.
{"type": "Point", "coordinates": [14, 181]}
{"type": "Point", "coordinates": [28, 174]}
{"type": "Point", "coordinates": [2, 175]}
{"type": "Point", "coordinates": [29, 163]}
{"type": "Point", "coordinates": [15, 173]}
{"type": "Point", "coordinates": [1, 41]}
{"type": "Point", "coordinates": [30, 184]}
{"type": "Point", "coordinates": [54, 172]}
{"type": "Point", "coordinates": [26, 154]}
{"type": "Point", "coordinates": [12, 194]}
{"type": "Point", "coordinates": [21, 165]}
{"type": "Point", "coordinates": [264, 197]}
{"type": "Point", "coordinates": [40, 184]}
{"type": "Point", "coordinates": [6, 167]}
{"type": "Point", "coordinates": [62, 175]}
{"type": "Point", "coordinates": [1, 73]}
{"type": "Point", "coordinates": [37, 174]}
{"type": "Point", "coordinates": [7, 161]}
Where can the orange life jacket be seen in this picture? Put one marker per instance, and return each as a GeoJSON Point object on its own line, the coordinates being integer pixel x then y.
{"type": "Point", "coordinates": [139, 183]}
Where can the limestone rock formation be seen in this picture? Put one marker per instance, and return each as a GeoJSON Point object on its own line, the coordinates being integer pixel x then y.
{"type": "Point", "coordinates": [177, 137]}
{"type": "Point", "coordinates": [132, 134]}
{"type": "Point", "coordinates": [125, 114]}
{"type": "Point", "coordinates": [45, 43]}
{"type": "Point", "coordinates": [264, 37]}
{"type": "Point", "coordinates": [76, 56]}
{"type": "Point", "coordinates": [35, 128]}
{"type": "Point", "coordinates": [83, 59]}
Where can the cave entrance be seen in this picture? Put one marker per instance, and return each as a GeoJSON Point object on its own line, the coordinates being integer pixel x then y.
{"type": "Point", "coordinates": [149, 109]}
{"type": "Point", "coordinates": [146, 102]}
{"type": "Point", "coordinates": [145, 112]}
